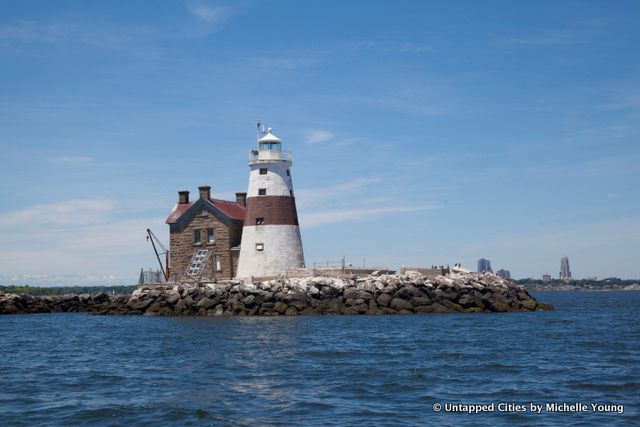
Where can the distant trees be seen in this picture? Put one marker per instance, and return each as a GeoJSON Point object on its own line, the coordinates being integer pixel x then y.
{"type": "Point", "coordinates": [608, 283]}
{"type": "Point", "coordinates": [26, 289]}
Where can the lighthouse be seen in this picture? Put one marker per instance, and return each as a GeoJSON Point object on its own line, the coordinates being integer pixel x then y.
{"type": "Point", "coordinates": [271, 240]}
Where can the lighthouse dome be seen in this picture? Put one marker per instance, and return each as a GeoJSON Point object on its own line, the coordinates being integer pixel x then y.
{"type": "Point", "coordinates": [269, 137]}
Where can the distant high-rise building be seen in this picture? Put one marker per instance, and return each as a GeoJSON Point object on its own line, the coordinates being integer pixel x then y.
{"type": "Point", "coordinates": [565, 272]}
{"type": "Point", "coordinates": [546, 277]}
{"type": "Point", "coordinates": [505, 274]}
{"type": "Point", "coordinates": [484, 265]}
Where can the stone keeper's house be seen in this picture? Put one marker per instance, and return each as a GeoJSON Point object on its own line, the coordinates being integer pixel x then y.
{"type": "Point", "coordinates": [206, 224]}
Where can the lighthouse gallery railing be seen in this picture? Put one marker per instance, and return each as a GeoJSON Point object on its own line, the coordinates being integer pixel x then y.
{"type": "Point", "coordinates": [255, 155]}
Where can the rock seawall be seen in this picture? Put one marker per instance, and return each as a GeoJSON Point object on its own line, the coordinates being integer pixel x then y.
{"type": "Point", "coordinates": [72, 303]}
{"type": "Point", "coordinates": [384, 294]}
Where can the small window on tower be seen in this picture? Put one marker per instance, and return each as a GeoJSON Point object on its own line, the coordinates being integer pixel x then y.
{"type": "Point", "coordinates": [259, 246]}
{"type": "Point", "coordinates": [291, 193]}
{"type": "Point", "coordinates": [263, 171]}
{"type": "Point", "coordinates": [262, 192]}
{"type": "Point", "coordinates": [210, 235]}
{"type": "Point", "coordinates": [259, 221]}
{"type": "Point", "coordinates": [196, 237]}
{"type": "Point", "coordinates": [288, 173]}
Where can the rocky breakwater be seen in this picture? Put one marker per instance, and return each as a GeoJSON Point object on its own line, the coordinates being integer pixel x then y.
{"type": "Point", "coordinates": [375, 294]}
{"type": "Point", "coordinates": [382, 294]}
{"type": "Point", "coordinates": [73, 303]}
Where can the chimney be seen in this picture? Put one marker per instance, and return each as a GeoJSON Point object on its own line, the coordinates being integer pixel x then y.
{"type": "Point", "coordinates": [205, 192]}
{"type": "Point", "coordinates": [183, 197]}
{"type": "Point", "coordinates": [241, 199]}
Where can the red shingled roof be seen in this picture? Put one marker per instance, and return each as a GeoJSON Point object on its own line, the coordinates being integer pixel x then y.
{"type": "Point", "coordinates": [232, 210]}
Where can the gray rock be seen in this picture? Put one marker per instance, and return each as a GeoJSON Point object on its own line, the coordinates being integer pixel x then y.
{"type": "Point", "coordinates": [172, 297]}
{"type": "Point", "coordinates": [207, 303]}
{"type": "Point", "coordinates": [280, 307]}
{"type": "Point", "coordinates": [384, 300]}
{"type": "Point", "coordinates": [400, 304]}
{"type": "Point", "coordinates": [354, 301]}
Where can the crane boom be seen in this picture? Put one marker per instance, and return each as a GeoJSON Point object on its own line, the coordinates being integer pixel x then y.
{"type": "Point", "coordinates": [154, 240]}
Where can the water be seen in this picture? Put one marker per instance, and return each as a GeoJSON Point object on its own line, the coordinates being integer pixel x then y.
{"type": "Point", "coordinates": [71, 369]}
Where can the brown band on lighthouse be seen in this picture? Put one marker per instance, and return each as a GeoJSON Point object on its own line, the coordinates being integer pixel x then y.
{"type": "Point", "coordinates": [271, 210]}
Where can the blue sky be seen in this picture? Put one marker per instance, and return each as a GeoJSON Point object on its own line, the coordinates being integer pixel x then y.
{"type": "Point", "coordinates": [422, 132]}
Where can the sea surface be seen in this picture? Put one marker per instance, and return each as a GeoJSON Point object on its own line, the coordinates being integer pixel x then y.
{"type": "Point", "coordinates": [77, 369]}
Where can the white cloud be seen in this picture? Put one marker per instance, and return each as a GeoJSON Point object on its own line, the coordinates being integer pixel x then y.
{"type": "Point", "coordinates": [390, 46]}
{"type": "Point", "coordinates": [419, 105]}
{"type": "Point", "coordinates": [30, 32]}
{"type": "Point", "coordinates": [318, 195]}
{"type": "Point", "coordinates": [138, 40]}
{"type": "Point", "coordinates": [61, 213]}
{"type": "Point", "coordinates": [318, 135]}
{"type": "Point", "coordinates": [350, 200]}
{"type": "Point", "coordinates": [207, 13]}
{"type": "Point", "coordinates": [328, 217]}
{"type": "Point", "coordinates": [70, 160]}
{"type": "Point", "coordinates": [550, 37]}
{"type": "Point", "coordinates": [110, 247]}
{"type": "Point", "coordinates": [284, 63]}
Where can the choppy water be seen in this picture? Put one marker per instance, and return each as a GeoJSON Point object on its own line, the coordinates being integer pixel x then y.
{"type": "Point", "coordinates": [75, 369]}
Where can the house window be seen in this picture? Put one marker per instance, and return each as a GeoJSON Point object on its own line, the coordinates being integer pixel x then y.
{"type": "Point", "coordinates": [196, 237]}
{"type": "Point", "coordinates": [218, 263]}
{"type": "Point", "coordinates": [288, 173]}
{"type": "Point", "coordinates": [259, 246]}
{"type": "Point", "coordinates": [259, 221]}
{"type": "Point", "coordinates": [262, 192]}
{"type": "Point", "coordinates": [210, 235]}
{"type": "Point", "coordinates": [263, 171]}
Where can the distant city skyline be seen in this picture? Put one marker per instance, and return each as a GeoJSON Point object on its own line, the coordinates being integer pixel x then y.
{"type": "Point", "coordinates": [484, 265]}
{"type": "Point", "coordinates": [505, 274]}
{"type": "Point", "coordinates": [423, 133]}
{"type": "Point", "coordinates": [565, 271]}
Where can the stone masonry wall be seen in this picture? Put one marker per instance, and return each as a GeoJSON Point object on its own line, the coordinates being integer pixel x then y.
{"type": "Point", "coordinates": [182, 247]}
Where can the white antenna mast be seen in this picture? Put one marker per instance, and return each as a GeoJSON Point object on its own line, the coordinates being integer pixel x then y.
{"type": "Point", "coordinates": [261, 130]}
{"type": "Point", "coordinates": [258, 126]}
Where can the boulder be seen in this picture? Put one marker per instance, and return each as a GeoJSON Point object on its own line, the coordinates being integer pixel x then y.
{"type": "Point", "coordinates": [384, 300]}
{"type": "Point", "coordinates": [400, 304]}
{"type": "Point", "coordinates": [280, 307]}
{"type": "Point", "coordinates": [207, 303]}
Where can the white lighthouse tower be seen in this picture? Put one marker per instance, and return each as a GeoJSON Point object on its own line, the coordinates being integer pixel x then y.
{"type": "Point", "coordinates": [271, 240]}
